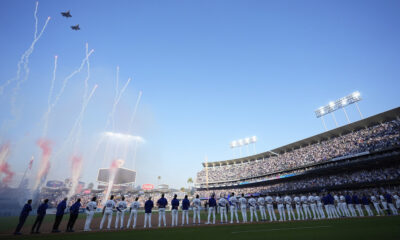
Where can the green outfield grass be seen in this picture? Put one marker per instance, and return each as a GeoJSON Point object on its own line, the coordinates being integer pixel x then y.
{"type": "Point", "coordinates": [382, 228]}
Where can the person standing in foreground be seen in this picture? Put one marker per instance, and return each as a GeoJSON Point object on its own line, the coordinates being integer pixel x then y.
{"type": "Point", "coordinates": [162, 203]}
{"type": "Point", "coordinates": [74, 212]}
{"type": "Point", "coordinates": [365, 202]}
{"type": "Point", "coordinates": [211, 208]}
{"type": "Point", "coordinates": [107, 212]}
{"type": "Point", "coordinates": [90, 209]}
{"type": "Point", "coordinates": [222, 203]}
{"type": "Point", "coordinates": [174, 211]}
{"type": "Point", "coordinates": [41, 212]}
{"type": "Point", "coordinates": [59, 215]}
{"type": "Point", "coordinates": [121, 208]}
{"type": "Point", "coordinates": [22, 217]}
{"type": "Point", "coordinates": [148, 206]}
{"type": "Point", "coordinates": [134, 208]}
{"type": "Point", "coordinates": [261, 206]}
{"type": "Point", "coordinates": [243, 208]}
{"type": "Point", "coordinates": [196, 209]}
{"type": "Point", "coordinates": [185, 210]}
{"type": "Point", "coordinates": [253, 208]}
{"type": "Point", "coordinates": [233, 208]}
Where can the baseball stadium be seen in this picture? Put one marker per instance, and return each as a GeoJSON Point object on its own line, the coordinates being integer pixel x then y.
{"type": "Point", "coordinates": [134, 140]}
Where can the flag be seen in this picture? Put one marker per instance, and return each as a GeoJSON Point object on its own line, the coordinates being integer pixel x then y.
{"type": "Point", "coordinates": [30, 163]}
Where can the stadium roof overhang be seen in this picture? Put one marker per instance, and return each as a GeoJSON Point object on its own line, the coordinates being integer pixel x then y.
{"type": "Point", "coordinates": [355, 126]}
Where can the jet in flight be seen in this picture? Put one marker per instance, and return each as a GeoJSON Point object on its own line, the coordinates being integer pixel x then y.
{"type": "Point", "coordinates": [76, 27]}
{"type": "Point", "coordinates": [66, 14]}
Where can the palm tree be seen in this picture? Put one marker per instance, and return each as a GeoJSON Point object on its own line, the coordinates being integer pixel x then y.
{"type": "Point", "coordinates": [182, 189]}
{"type": "Point", "coordinates": [190, 181]}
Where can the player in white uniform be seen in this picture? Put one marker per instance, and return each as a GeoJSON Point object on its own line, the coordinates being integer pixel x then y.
{"type": "Point", "coordinates": [253, 208]}
{"type": "Point", "coordinates": [90, 209]}
{"type": "Point", "coordinates": [281, 209]}
{"type": "Point", "coordinates": [261, 206]}
{"type": "Point", "coordinates": [222, 204]}
{"type": "Point", "coordinates": [378, 209]}
{"type": "Point", "coordinates": [234, 205]}
{"type": "Point", "coordinates": [289, 209]}
{"type": "Point", "coordinates": [196, 203]}
{"type": "Point", "coordinates": [243, 208]}
{"type": "Point", "coordinates": [134, 210]}
{"type": "Point", "coordinates": [270, 208]}
{"type": "Point", "coordinates": [343, 206]}
{"type": "Point", "coordinates": [319, 206]}
{"type": "Point", "coordinates": [307, 213]}
{"type": "Point", "coordinates": [107, 212]}
{"type": "Point", "coordinates": [337, 205]}
{"type": "Point", "coordinates": [300, 214]}
{"type": "Point", "coordinates": [397, 200]}
{"type": "Point", "coordinates": [384, 203]}
{"type": "Point", "coordinates": [121, 208]}
{"type": "Point", "coordinates": [313, 206]}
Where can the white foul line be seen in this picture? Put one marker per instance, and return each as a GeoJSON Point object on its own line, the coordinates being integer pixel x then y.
{"type": "Point", "coordinates": [279, 229]}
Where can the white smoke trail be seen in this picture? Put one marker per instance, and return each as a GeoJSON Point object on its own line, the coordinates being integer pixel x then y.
{"type": "Point", "coordinates": [61, 91]}
{"type": "Point", "coordinates": [24, 59]}
{"type": "Point", "coordinates": [53, 80]}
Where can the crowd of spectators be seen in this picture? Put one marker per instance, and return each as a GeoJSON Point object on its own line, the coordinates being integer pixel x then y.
{"type": "Point", "coordinates": [320, 182]}
{"type": "Point", "coordinates": [374, 138]}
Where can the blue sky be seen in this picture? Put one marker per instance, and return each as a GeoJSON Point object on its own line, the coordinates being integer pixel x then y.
{"type": "Point", "coordinates": [210, 71]}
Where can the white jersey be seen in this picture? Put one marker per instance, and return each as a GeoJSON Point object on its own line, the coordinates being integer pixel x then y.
{"type": "Point", "coordinates": [396, 197]}
{"type": "Point", "coordinates": [261, 201]}
{"type": "Point", "coordinates": [135, 205]}
{"type": "Point", "coordinates": [110, 204]}
{"type": "Point", "coordinates": [336, 198]}
{"type": "Point", "coordinates": [222, 202]}
{"type": "Point", "coordinates": [278, 200]}
{"type": "Point", "coordinates": [288, 200]}
{"type": "Point", "coordinates": [233, 200]}
{"type": "Point", "coordinates": [92, 205]}
{"type": "Point", "coordinates": [269, 200]}
{"type": "Point", "coordinates": [252, 202]}
{"type": "Point", "coordinates": [197, 202]}
{"type": "Point", "coordinates": [311, 199]}
{"type": "Point", "coordinates": [342, 199]}
{"type": "Point", "coordinates": [373, 199]}
{"type": "Point", "coordinates": [382, 198]}
{"type": "Point", "coordinates": [317, 199]}
{"type": "Point", "coordinates": [297, 200]}
{"type": "Point", "coordinates": [304, 199]}
{"type": "Point", "coordinates": [122, 205]}
{"type": "Point", "coordinates": [243, 202]}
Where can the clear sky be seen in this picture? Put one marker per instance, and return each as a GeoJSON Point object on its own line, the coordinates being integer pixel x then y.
{"type": "Point", "coordinates": [210, 71]}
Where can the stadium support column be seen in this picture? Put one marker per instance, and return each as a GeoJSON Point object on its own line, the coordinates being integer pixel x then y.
{"type": "Point", "coordinates": [206, 159]}
{"type": "Point", "coordinates": [347, 117]}
{"type": "Point", "coordinates": [323, 122]}
{"type": "Point", "coordinates": [334, 119]}
{"type": "Point", "coordinates": [359, 111]}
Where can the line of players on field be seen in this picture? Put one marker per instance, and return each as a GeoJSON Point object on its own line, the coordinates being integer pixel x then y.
{"type": "Point", "coordinates": [309, 206]}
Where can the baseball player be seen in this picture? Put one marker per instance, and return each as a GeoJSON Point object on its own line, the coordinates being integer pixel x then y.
{"type": "Point", "coordinates": [343, 206]}
{"type": "Point", "coordinates": [243, 208]}
{"type": "Point", "coordinates": [365, 202]}
{"type": "Point", "coordinates": [134, 210]}
{"type": "Point", "coordinates": [90, 209]}
{"type": "Point", "coordinates": [281, 208]}
{"type": "Point", "coordinates": [185, 210]}
{"type": "Point", "coordinates": [234, 204]}
{"type": "Point", "coordinates": [174, 211]}
{"type": "Point", "coordinates": [162, 203]}
{"type": "Point", "coordinates": [384, 204]}
{"type": "Point", "coordinates": [222, 203]}
{"type": "Point", "coordinates": [73, 214]}
{"type": "Point", "coordinates": [121, 208]}
{"type": "Point", "coordinates": [349, 202]}
{"type": "Point", "coordinates": [212, 203]}
{"type": "Point", "coordinates": [108, 212]}
{"type": "Point", "coordinates": [397, 199]}
{"type": "Point", "coordinates": [357, 203]}
{"type": "Point", "coordinates": [289, 209]}
{"type": "Point", "coordinates": [59, 215]}
{"type": "Point", "coordinates": [313, 206]}
{"type": "Point", "coordinates": [337, 205]}
{"type": "Point", "coordinates": [148, 206]}
{"type": "Point", "coordinates": [325, 201]}
{"type": "Point", "coordinates": [299, 210]}
{"type": "Point", "coordinates": [319, 206]}
{"type": "Point", "coordinates": [261, 206]}
{"type": "Point", "coordinates": [22, 217]}
{"type": "Point", "coordinates": [196, 209]}
{"type": "Point", "coordinates": [41, 213]}
{"type": "Point", "coordinates": [389, 201]}
{"type": "Point", "coordinates": [253, 208]}
{"type": "Point", "coordinates": [378, 209]}
{"type": "Point", "coordinates": [270, 208]}
{"type": "Point", "coordinates": [331, 206]}
{"type": "Point", "coordinates": [306, 209]}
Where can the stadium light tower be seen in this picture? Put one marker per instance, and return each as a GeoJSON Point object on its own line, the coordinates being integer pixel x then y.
{"type": "Point", "coordinates": [242, 142]}
{"type": "Point", "coordinates": [339, 104]}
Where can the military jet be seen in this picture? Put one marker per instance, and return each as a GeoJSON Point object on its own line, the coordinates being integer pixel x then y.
{"type": "Point", "coordinates": [76, 27]}
{"type": "Point", "coordinates": [66, 14]}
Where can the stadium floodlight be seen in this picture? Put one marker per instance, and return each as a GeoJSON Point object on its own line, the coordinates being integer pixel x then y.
{"type": "Point", "coordinates": [242, 142]}
{"type": "Point", "coordinates": [339, 104]}
{"type": "Point", "coordinates": [234, 144]}
{"type": "Point", "coordinates": [247, 140]}
{"type": "Point", "coordinates": [253, 139]}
